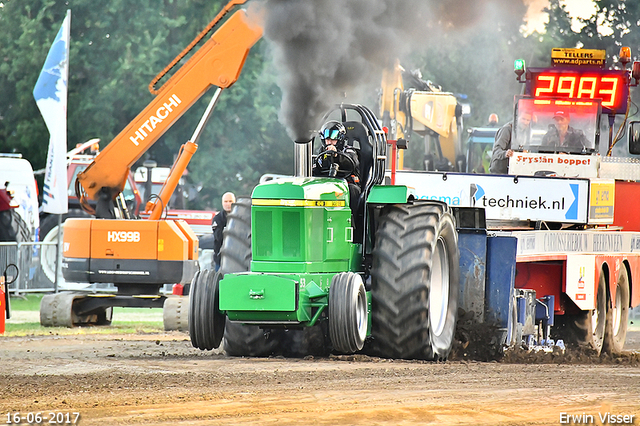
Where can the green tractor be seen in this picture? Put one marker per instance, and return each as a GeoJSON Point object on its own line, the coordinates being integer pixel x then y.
{"type": "Point", "coordinates": [305, 272]}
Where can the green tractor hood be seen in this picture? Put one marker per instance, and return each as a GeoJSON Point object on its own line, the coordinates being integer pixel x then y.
{"type": "Point", "coordinates": [302, 225]}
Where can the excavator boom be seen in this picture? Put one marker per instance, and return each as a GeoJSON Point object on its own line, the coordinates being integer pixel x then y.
{"type": "Point", "coordinates": [217, 63]}
{"type": "Point", "coordinates": [140, 256]}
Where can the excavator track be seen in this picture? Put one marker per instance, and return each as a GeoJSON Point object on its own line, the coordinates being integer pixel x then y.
{"type": "Point", "coordinates": [56, 310]}
{"type": "Point", "coordinates": [61, 310]}
{"type": "Point", "coordinates": [175, 313]}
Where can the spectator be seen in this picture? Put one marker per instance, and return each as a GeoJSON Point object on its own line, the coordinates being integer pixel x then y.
{"type": "Point", "coordinates": [219, 223]}
{"type": "Point", "coordinates": [493, 120]}
{"type": "Point", "coordinates": [502, 145]}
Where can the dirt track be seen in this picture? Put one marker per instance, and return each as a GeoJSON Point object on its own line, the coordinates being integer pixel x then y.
{"type": "Point", "coordinates": [159, 379]}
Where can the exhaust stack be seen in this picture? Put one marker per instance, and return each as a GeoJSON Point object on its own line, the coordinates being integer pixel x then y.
{"type": "Point", "coordinates": [302, 158]}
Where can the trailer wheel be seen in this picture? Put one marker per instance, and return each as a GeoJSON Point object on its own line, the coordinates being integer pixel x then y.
{"type": "Point", "coordinates": [61, 310]}
{"type": "Point", "coordinates": [594, 326]}
{"type": "Point", "coordinates": [239, 339]}
{"type": "Point", "coordinates": [514, 339]}
{"type": "Point", "coordinates": [618, 316]}
{"type": "Point", "coordinates": [415, 282]}
{"type": "Point", "coordinates": [347, 312]}
{"type": "Point", "coordinates": [56, 310]}
{"type": "Point", "coordinates": [104, 317]}
{"type": "Point", "coordinates": [587, 328]}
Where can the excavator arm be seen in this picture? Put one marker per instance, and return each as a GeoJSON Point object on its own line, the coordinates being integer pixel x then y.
{"type": "Point", "coordinates": [217, 63]}
{"type": "Point", "coordinates": [140, 256]}
{"type": "Point", "coordinates": [426, 111]}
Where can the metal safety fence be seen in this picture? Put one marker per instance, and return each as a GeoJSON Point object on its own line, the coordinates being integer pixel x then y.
{"type": "Point", "coordinates": [21, 264]}
{"type": "Point", "coordinates": [33, 267]}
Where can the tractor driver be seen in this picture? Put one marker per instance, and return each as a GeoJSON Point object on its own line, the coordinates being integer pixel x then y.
{"type": "Point", "coordinates": [338, 159]}
{"type": "Point", "coordinates": [563, 137]}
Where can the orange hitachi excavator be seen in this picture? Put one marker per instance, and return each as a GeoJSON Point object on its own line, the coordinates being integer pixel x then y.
{"type": "Point", "coordinates": [140, 256]}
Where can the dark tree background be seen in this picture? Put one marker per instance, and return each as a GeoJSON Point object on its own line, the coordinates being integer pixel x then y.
{"type": "Point", "coordinates": [118, 46]}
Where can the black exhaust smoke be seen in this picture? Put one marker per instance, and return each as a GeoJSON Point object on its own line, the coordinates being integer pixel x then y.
{"type": "Point", "coordinates": [325, 48]}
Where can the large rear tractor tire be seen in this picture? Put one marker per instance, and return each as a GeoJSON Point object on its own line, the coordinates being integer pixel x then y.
{"type": "Point", "coordinates": [242, 340]}
{"type": "Point", "coordinates": [618, 317]}
{"type": "Point", "coordinates": [587, 328]}
{"type": "Point", "coordinates": [415, 282]}
{"type": "Point", "coordinates": [13, 228]}
{"type": "Point", "coordinates": [347, 312]}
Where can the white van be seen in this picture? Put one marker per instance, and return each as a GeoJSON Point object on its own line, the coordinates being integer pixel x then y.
{"type": "Point", "coordinates": [16, 174]}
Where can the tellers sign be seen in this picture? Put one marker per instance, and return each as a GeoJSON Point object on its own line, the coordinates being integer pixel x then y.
{"type": "Point", "coordinates": [611, 86]}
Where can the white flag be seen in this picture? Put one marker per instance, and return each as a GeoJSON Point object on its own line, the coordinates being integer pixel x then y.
{"type": "Point", "coordinates": [51, 96]}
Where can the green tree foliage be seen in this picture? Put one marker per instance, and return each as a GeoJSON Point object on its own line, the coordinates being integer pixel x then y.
{"type": "Point", "coordinates": [116, 48]}
{"type": "Point", "coordinates": [474, 62]}
{"type": "Point", "coordinates": [477, 61]}
{"type": "Point", "coordinates": [611, 27]}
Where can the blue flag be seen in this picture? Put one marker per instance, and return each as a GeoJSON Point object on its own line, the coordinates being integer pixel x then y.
{"type": "Point", "coordinates": [50, 94]}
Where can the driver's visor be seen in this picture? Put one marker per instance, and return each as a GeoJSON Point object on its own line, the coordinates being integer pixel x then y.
{"type": "Point", "coordinates": [330, 133]}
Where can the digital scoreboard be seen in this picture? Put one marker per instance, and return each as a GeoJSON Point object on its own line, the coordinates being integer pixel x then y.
{"type": "Point", "coordinates": [610, 86]}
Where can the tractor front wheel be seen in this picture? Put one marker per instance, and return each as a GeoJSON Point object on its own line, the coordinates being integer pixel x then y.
{"type": "Point", "coordinates": [195, 321]}
{"type": "Point", "coordinates": [347, 312]}
{"type": "Point", "coordinates": [206, 322]}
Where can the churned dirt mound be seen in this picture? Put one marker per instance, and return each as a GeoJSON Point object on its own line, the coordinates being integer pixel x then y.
{"type": "Point", "coordinates": [478, 342]}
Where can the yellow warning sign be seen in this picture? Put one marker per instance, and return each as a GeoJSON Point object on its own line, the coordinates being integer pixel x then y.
{"type": "Point", "coordinates": [601, 201]}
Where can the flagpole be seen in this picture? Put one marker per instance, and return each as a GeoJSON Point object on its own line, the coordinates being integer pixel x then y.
{"type": "Point", "coordinates": [67, 37]}
{"type": "Point", "coordinates": [58, 253]}
{"type": "Point", "coordinates": [50, 94]}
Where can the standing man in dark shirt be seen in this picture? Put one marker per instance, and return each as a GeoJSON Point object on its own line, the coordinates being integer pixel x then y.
{"type": "Point", "coordinates": [219, 222]}
{"type": "Point", "coordinates": [502, 150]}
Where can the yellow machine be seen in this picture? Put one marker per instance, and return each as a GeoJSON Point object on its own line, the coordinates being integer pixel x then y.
{"type": "Point", "coordinates": [424, 110]}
